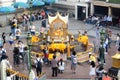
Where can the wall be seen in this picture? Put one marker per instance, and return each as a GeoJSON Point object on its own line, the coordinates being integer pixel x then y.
{"type": "Point", "coordinates": [6, 2]}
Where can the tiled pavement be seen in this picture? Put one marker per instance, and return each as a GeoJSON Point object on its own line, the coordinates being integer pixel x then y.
{"type": "Point", "coordinates": [82, 69]}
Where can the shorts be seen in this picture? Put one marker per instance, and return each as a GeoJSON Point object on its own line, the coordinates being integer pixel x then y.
{"type": "Point", "coordinates": [11, 42]}
{"type": "Point", "coordinates": [73, 66]}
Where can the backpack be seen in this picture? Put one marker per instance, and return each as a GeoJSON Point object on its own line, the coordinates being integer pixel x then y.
{"type": "Point", "coordinates": [39, 64]}
{"type": "Point", "coordinates": [75, 60]}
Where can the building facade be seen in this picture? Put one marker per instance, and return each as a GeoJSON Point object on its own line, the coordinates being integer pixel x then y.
{"type": "Point", "coordinates": [84, 8]}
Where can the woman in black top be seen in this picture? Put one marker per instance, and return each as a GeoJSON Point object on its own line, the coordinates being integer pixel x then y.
{"type": "Point", "coordinates": [4, 37]}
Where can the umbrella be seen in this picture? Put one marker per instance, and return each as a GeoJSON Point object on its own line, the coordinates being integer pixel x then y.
{"type": "Point", "coordinates": [49, 1]}
{"type": "Point", "coordinates": [21, 5]}
{"type": "Point", "coordinates": [6, 9]}
{"type": "Point", "coordinates": [38, 3]}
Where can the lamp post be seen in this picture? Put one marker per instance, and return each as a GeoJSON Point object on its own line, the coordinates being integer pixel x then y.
{"type": "Point", "coordinates": [101, 48]}
{"type": "Point", "coordinates": [29, 47]}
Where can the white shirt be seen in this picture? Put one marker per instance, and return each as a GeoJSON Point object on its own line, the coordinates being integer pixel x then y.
{"type": "Point", "coordinates": [61, 67]}
{"type": "Point", "coordinates": [32, 28]}
{"type": "Point", "coordinates": [117, 39]}
{"type": "Point", "coordinates": [8, 78]}
{"type": "Point", "coordinates": [38, 59]}
{"type": "Point", "coordinates": [1, 51]}
{"type": "Point", "coordinates": [17, 32]}
{"type": "Point", "coordinates": [11, 38]}
{"type": "Point", "coordinates": [21, 47]}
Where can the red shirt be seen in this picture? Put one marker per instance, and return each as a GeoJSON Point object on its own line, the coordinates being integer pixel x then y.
{"type": "Point", "coordinates": [106, 78]}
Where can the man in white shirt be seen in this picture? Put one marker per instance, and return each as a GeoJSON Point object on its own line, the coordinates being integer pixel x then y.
{"type": "Point", "coordinates": [32, 30]}
{"type": "Point", "coordinates": [38, 61]}
{"type": "Point", "coordinates": [17, 33]}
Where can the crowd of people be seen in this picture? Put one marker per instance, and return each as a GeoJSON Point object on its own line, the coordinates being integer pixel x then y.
{"type": "Point", "coordinates": [99, 21]}
{"type": "Point", "coordinates": [19, 50]}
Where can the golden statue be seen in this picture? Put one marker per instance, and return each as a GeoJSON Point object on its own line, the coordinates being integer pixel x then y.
{"type": "Point", "coordinates": [58, 32]}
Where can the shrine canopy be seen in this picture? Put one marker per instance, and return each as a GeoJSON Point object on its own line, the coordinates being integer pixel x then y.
{"type": "Point", "coordinates": [63, 18]}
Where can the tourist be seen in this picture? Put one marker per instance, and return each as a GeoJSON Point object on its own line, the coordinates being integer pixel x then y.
{"type": "Point", "coordinates": [117, 39]}
{"type": "Point", "coordinates": [21, 49]}
{"type": "Point", "coordinates": [4, 38]}
{"type": "Point", "coordinates": [100, 71]}
{"type": "Point", "coordinates": [26, 58]}
{"type": "Point", "coordinates": [38, 61]}
{"type": "Point", "coordinates": [45, 52]}
{"type": "Point", "coordinates": [1, 42]}
{"type": "Point", "coordinates": [92, 72]}
{"type": "Point", "coordinates": [106, 77]}
{"type": "Point", "coordinates": [61, 66]}
{"type": "Point", "coordinates": [5, 60]}
{"type": "Point", "coordinates": [43, 14]}
{"type": "Point", "coordinates": [2, 52]}
{"type": "Point", "coordinates": [16, 56]}
{"type": "Point", "coordinates": [92, 58]}
{"type": "Point", "coordinates": [43, 23]}
{"type": "Point", "coordinates": [13, 27]}
{"type": "Point", "coordinates": [98, 33]}
{"type": "Point", "coordinates": [32, 29]}
{"type": "Point", "coordinates": [106, 46]}
{"type": "Point", "coordinates": [15, 21]}
{"type": "Point", "coordinates": [73, 62]}
{"type": "Point", "coordinates": [54, 66]}
{"type": "Point", "coordinates": [17, 33]}
{"type": "Point", "coordinates": [11, 40]}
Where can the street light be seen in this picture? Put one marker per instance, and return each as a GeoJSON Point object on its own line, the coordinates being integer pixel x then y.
{"type": "Point", "coordinates": [29, 47]}
{"type": "Point", "coordinates": [101, 49]}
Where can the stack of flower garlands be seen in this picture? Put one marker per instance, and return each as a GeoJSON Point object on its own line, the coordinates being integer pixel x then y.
{"type": "Point", "coordinates": [35, 39]}
{"type": "Point", "coordinates": [58, 46]}
{"type": "Point", "coordinates": [83, 39]}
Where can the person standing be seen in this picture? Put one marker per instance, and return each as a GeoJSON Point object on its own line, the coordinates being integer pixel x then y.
{"type": "Point", "coordinates": [117, 39]}
{"type": "Point", "coordinates": [26, 58]}
{"type": "Point", "coordinates": [32, 29]}
{"type": "Point", "coordinates": [106, 46]}
{"type": "Point", "coordinates": [100, 72]}
{"type": "Point", "coordinates": [21, 49]}
{"type": "Point", "coordinates": [16, 58]}
{"type": "Point", "coordinates": [43, 23]}
{"type": "Point", "coordinates": [17, 33]}
{"type": "Point", "coordinates": [73, 62]}
{"type": "Point", "coordinates": [38, 62]}
{"type": "Point", "coordinates": [106, 77]}
{"type": "Point", "coordinates": [11, 41]}
{"type": "Point", "coordinates": [2, 52]}
{"type": "Point", "coordinates": [61, 66]}
{"type": "Point", "coordinates": [4, 38]}
{"type": "Point", "coordinates": [54, 66]}
{"type": "Point", "coordinates": [97, 33]}
{"type": "Point", "coordinates": [92, 71]}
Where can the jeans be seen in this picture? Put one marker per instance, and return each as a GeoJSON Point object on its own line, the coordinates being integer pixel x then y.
{"type": "Point", "coordinates": [54, 71]}
{"type": "Point", "coordinates": [13, 31]}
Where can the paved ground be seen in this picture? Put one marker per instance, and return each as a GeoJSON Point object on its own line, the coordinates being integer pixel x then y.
{"type": "Point", "coordinates": [82, 69]}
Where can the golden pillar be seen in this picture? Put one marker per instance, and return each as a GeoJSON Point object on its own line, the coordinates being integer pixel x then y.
{"type": "Point", "coordinates": [68, 50]}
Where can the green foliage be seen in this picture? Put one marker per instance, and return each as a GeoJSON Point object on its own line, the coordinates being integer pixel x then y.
{"type": "Point", "coordinates": [114, 1]}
